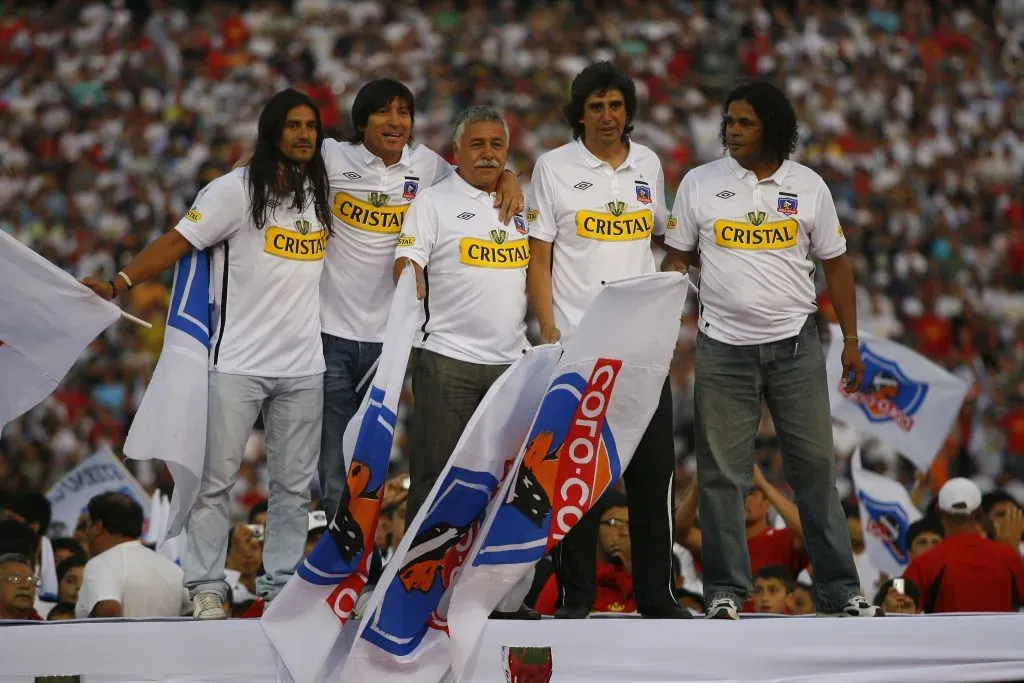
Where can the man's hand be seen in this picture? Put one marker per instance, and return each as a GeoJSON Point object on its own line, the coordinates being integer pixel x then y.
{"type": "Point", "coordinates": [550, 334]}
{"type": "Point", "coordinates": [758, 480]}
{"type": "Point", "coordinates": [853, 365]}
{"type": "Point", "coordinates": [104, 290]}
{"type": "Point", "coordinates": [510, 200]}
{"type": "Point", "coordinates": [1010, 528]}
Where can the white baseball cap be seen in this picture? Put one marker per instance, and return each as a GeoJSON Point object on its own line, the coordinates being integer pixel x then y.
{"type": "Point", "coordinates": [959, 496]}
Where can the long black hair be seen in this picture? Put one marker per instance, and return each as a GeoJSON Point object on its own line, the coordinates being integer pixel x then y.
{"type": "Point", "coordinates": [599, 78]}
{"type": "Point", "coordinates": [266, 186]}
{"type": "Point", "coordinates": [778, 118]}
{"type": "Point", "coordinates": [372, 97]}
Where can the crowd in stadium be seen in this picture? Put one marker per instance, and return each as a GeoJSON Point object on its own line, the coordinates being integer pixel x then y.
{"type": "Point", "coordinates": [113, 116]}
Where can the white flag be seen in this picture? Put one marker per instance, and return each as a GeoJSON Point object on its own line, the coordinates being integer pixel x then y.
{"type": "Point", "coordinates": [304, 623]}
{"type": "Point", "coordinates": [886, 512]}
{"type": "Point", "coordinates": [906, 400]}
{"type": "Point", "coordinates": [594, 413]}
{"type": "Point", "coordinates": [47, 318]}
{"type": "Point", "coordinates": [403, 634]}
{"type": "Point", "coordinates": [170, 424]}
{"type": "Point", "coordinates": [99, 473]}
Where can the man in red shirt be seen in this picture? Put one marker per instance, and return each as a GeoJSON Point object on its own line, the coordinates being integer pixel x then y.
{"type": "Point", "coordinates": [966, 572]}
{"type": "Point", "coordinates": [17, 588]}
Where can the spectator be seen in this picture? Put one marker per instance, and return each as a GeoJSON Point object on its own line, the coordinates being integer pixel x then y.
{"type": "Point", "coordinates": [898, 596]}
{"type": "Point", "coordinates": [801, 600]}
{"type": "Point", "coordinates": [125, 578]}
{"type": "Point", "coordinates": [63, 548]}
{"type": "Point", "coordinates": [62, 611]}
{"type": "Point", "coordinates": [923, 535]}
{"type": "Point", "coordinates": [69, 578]}
{"type": "Point", "coordinates": [773, 590]}
{"type": "Point", "coordinates": [966, 572]}
{"type": "Point", "coordinates": [17, 588]}
{"type": "Point", "coordinates": [1007, 518]}
{"type": "Point", "coordinates": [242, 566]}
{"type": "Point", "coordinates": [258, 513]}
{"type": "Point", "coordinates": [29, 507]}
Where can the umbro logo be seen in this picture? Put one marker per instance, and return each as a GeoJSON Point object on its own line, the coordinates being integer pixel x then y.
{"type": "Point", "coordinates": [725, 194]}
{"type": "Point", "coordinates": [584, 185]}
{"type": "Point", "coordinates": [465, 215]}
{"type": "Point", "coordinates": [352, 175]}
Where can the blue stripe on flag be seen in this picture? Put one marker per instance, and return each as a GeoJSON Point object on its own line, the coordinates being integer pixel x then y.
{"type": "Point", "coordinates": [190, 297]}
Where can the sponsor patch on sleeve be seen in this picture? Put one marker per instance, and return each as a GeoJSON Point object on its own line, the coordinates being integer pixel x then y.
{"type": "Point", "coordinates": [406, 240]}
{"type": "Point", "coordinates": [839, 229]}
{"type": "Point", "coordinates": [531, 215]}
{"type": "Point", "coordinates": [194, 216]}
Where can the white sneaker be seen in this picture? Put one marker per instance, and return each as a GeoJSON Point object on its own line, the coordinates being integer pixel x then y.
{"type": "Point", "coordinates": [722, 608]}
{"type": "Point", "coordinates": [857, 606]}
{"type": "Point", "coordinates": [207, 606]}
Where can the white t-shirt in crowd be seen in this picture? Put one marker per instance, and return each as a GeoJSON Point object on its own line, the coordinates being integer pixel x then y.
{"type": "Point", "coordinates": [600, 220]}
{"type": "Point", "coordinates": [369, 201]}
{"type": "Point", "coordinates": [475, 272]}
{"type": "Point", "coordinates": [265, 283]}
{"type": "Point", "coordinates": [754, 237]}
{"type": "Point", "coordinates": [145, 583]}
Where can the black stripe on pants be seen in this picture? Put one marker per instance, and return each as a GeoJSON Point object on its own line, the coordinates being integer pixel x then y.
{"type": "Point", "coordinates": [651, 500]}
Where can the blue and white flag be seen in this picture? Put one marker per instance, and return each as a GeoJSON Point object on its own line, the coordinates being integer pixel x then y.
{"type": "Point", "coordinates": [905, 400]}
{"type": "Point", "coordinates": [595, 410]}
{"type": "Point", "coordinates": [304, 623]}
{"type": "Point", "coordinates": [170, 424]}
{"type": "Point", "coordinates": [886, 512]}
{"type": "Point", "coordinates": [403, 634]}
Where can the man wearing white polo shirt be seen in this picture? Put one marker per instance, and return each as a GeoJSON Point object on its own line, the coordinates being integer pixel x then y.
{"type": "Point", "coordinates": [471, 275]}
{"type": "Point", "coordinates": [599, 202]}
{"type": "Point", "coordinates": [373, 177]}
{"type": "Point", "coordinates": [755, 218]}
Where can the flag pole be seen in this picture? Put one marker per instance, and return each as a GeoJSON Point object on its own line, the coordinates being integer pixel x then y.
{"type": "Point", "coordinates": [137, 321]}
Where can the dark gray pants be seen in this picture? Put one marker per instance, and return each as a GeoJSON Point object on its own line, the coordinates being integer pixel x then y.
{"type": "Point", "coordinates": [729, 383]}
{"type": "Point", "coordinates": [446, 393]}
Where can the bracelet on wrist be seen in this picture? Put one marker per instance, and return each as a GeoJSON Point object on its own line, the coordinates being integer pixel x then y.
{"type": "Point", "coordinates": [125, 278]}
{"type": "Point", "coordinates": [851, 337]}
{"type": "Point", "coordinates": [113, 288]}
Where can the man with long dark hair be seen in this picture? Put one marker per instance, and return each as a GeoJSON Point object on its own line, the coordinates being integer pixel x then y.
{"type": "Point", "coordinates": [755, 217]}
{"type": "Point", "coordinates": [267, 225]}
{"type": "Point", "coordinates": [373, 176]}
{"type": "Point", "coordinates": [600, 200]}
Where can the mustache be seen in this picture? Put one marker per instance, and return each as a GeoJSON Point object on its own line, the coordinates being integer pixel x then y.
{"type": "Point", "coordinates": [487, 163]}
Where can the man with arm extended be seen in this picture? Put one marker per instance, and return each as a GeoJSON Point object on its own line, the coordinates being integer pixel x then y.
{"type": "Point", "coordinates": [754, 217]}
{"type": "Point", "coordinates": [599, 204]}
{"type": "Point", "coordinates": [266, 225]}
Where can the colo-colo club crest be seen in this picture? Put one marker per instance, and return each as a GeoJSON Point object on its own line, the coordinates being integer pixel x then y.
{"type": "Point", "coordinates": [887, 393]}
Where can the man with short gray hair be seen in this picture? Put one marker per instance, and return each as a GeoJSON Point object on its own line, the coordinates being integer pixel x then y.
{"type": "Point", "coordinates": [17, 588]}
{"type": "Point", "coordinates": [471, 276]}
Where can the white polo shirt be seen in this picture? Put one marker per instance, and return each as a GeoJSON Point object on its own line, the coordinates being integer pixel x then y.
{"type": "Point", "coordinates": [754, 238]}
{"type": "Point", "coordinates": [145, 583]}
{"type": "Point", "coordinates": [266, 314]}
{"type": "Point", "coordinates": [369, 201]}
{"type": "Point", "coordinates": [600, 220]}
{"type": "Point", "coordinates": [475, 271]}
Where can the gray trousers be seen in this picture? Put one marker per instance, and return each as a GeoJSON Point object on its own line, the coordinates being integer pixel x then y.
{"type": "Point", "coordinates": [292, 411]}
{"type": "Point", "coordinates": [447, 393]}
{"type": "Point", "coordinates": [729, 383]}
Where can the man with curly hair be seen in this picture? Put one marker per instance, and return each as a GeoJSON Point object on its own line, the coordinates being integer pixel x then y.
{"type": "Point", "coordinates": [755, 217]}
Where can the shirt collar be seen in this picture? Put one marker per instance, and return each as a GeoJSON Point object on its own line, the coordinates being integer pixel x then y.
{"type": "Point", "coordinates": [369, 157]}
{"type": "Point", "coordinates": [593, 162]}
{"type": "Point", "coordinates": [468, 189]}
{"type": "Point", "coordinates": [777, 177]}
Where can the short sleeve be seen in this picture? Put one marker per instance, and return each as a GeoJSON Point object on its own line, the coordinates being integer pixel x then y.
{"type": "Point", "coordinates": [216, 215]}
{"type": "Point", "coordinates": [541, 218]}
{"type": "Point", "coordinates": [660, 210]}
{"type": "Point", "coordinates": [682, 231]}
{"type": "Point", "coordinates": [827, 239]}
{"type": "Point", "coordinates": [100, 581]}
{"type": "Point", "coordinates": [330, 149]}
{"type": "Point", "coordinates": [419, 232]}
{"type": "Point", "coordinates": [442, 169]}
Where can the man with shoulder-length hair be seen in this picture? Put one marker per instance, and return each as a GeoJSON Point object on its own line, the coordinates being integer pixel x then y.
{"type": "Point", "coordinates": [373, 177]}
{"type": "Point", "coordinates": [755, 217]}
{"type": "Point", "coordinates": [599, 204]}
{"type": "Point", "coordinates": [471, 275]}
{"type": "Point", "coordinates": [267, 225]}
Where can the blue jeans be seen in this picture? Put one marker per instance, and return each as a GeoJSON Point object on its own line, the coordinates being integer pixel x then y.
{"type": "Point", "coordinates": [347, 363]}
{"type": "Point", "coordinates": [729, 384]}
